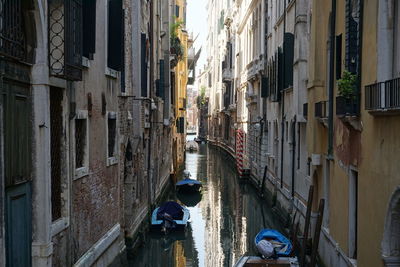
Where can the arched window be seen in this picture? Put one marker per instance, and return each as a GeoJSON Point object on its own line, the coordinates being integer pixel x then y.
{"type": "Point", "coordinates": [391, 235]}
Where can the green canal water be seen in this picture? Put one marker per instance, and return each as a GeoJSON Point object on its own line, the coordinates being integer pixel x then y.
{"type": "Point", "coordinates": [224, 219]}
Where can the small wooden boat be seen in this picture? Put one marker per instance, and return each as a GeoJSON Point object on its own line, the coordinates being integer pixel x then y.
{"type": "Point", "coordinates": [254, 261]}
{"type": "Point", "coordinates": [282, 245]}
{"type": "Point", "coordinates": [188, 185]}
{"type": "Point", "coordinates": [170, 216]}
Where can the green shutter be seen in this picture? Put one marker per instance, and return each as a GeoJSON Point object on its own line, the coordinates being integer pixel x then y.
{"type": "Point", "coordinates": [288, 50]}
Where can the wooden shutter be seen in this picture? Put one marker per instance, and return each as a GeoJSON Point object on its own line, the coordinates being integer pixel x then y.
{"type": "Point", "coordinates": [89, 27]}
{"type": "Point", "coordinates": [161, 84]}
{"type": "Point", "coordinates": [264, 87]}
{"type": "Point", "coordinates": [143, 64]}
{"type": "Point", "coordinates": [115, 36]}
{"type": "Point", "coordinates": [288, 50]}
{"type": "Point", "coordinates": [280, 70]}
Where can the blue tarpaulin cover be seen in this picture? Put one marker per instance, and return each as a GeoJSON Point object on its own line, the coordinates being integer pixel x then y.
{"type": "Point", "coordinates": [277, 236]}
{"type": "Point", "coordinates": [172, 208]}
{"type": "Point", "coordinates": [187, 181]}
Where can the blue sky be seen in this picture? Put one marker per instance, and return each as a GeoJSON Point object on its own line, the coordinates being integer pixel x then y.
{"type": "Point", "coordinates": [197, 23]}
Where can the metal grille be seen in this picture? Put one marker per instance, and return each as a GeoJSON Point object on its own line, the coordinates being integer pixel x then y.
{"type": "Point", "coordinates": [80, 142]}
{"type": "Point", "coordinates": [112, 123]}
{"type": "Point", "coordinates": [12, 32]}
{"type": "Point", "coordinates": [383, 95]}
{"type": "Point", "coordinates": [56, 128]}
{"type": "Point", "coordinates": [65, 38]}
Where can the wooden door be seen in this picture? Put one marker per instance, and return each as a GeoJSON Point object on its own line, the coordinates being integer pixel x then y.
{"type": "Point", "coordinates": [17, 161]}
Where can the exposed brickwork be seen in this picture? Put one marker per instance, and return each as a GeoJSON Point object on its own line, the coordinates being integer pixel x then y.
{"type": "Point", "coordinates": [95, 200]}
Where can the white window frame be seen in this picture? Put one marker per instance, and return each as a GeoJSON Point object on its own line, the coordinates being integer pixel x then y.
{"type": "Point", "coordinates": [84, 170]}
{"type": "Point", "coordinates": [114, 159]}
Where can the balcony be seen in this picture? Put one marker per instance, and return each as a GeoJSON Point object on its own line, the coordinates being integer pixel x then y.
{"type": "Point", "coordinates": [321, 112]}
{"type": "Point", "coordinates": [227, 75]}
{"type": "Point", "coordinates": [383, 98]}
{"type": "Point", "coordinates": [347, 107]}
{"type": "Point", "coordinates": [321, 109]}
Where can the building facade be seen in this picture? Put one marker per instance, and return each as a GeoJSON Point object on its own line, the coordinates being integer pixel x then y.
{"type": "Point", "coordinates": [86, 127]}
{"type": "Point", "coordinates": [179, 81]}
{"type": "Point", "coordinates": [297, 122]}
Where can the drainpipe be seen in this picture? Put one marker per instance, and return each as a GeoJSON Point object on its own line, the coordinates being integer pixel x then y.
{"type": "Point", "coordinates": [331, 79]}
{"type": "Point", "coordinates": [149, 169]}
{"type": "Point", "coordinates": [293, 152]}
{"type": "Point", "coordinates": [282, 94]}
{"type": "Point", "coordinates": [360, 39]}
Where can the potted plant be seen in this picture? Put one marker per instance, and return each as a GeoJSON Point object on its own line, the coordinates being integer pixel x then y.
{"type": "Point", "coordinates": [346, 102]}
{"type": "Point", "coordinates": [176, 47]}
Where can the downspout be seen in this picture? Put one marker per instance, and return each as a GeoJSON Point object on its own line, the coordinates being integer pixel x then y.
{"type": "Point", "coordinates": [282, 94]}
{"type": "Point", "coordinates": [331, 79]}
{"type": "Point", "coordinates": [293, 152]}
{"type": "Point", "coordinates": [149, 169]}
{"type": "Point", "coordinates": [360, 46]}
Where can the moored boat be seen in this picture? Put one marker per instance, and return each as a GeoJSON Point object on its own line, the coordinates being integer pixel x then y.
{"type": "Point", "coordinates": [170, 216]}
{"type": "Point", "coordinates": [192, 146]}
{"type": "Point", "coordinates": [254, 261]}
{"type": "Point", "coordinates": [188, 185]}
{"type": "Point", "coordinates": [281, 245]}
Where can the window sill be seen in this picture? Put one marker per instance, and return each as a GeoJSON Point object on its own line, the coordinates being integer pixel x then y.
{"type": "Point", "coordinates": [85, 62]}
{"type": "Point", "coordinates": [112, 161]}
{"type": "Point", "coordinates": [111, 73]}
{"type": "Point", "coordinates": [81, 172]}
{"type": "Point", "coordinates": [59, 225]}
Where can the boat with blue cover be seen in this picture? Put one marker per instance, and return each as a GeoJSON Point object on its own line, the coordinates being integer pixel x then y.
{"type": "Point", "coordinates": [187, 184]}
{"type": "Point", "coordinates": [282, 246]}
{"type": "Point", "coordinates": [170, 216]}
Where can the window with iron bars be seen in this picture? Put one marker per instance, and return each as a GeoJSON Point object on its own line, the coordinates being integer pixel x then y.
{"type": "Point", "coordinates": [65, 38]}
{"type": "Point", "coordinates": [13, 35]}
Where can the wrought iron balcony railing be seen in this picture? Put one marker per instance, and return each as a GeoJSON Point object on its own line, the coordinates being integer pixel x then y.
{"type": "Point", "coordinates": [383, 96]}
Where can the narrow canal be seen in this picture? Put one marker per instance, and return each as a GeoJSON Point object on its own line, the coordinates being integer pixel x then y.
{"type": "Point", "coordinates": [223, 223]}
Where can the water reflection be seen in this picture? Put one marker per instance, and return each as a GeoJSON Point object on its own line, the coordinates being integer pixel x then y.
{"type": "Point", "coordinates": [225, 218]}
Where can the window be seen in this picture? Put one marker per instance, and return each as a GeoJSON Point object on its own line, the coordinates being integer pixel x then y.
{"type": "Point", "coordinates": [115, 35]}
{"type": "Point", "coordinates": [177, 11]}
{"type": "Point", "coordinates": [89, 28]}
{"type": "Point", "coordinates": [65, 39]}
{"type": "Point", "coordinates": [111, 138]}
{"type": "Point", "coordinates": [352, 35]}
{"type": "Point", "coordinates": [56, 130]}
{"type": "Point", "coordinates": [81, 144]}
{"type": "Point", "coordinates": [143, 64]}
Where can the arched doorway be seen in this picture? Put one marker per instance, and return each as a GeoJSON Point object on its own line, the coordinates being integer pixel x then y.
{"type": "Point", "coordinates": [391, 234]}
